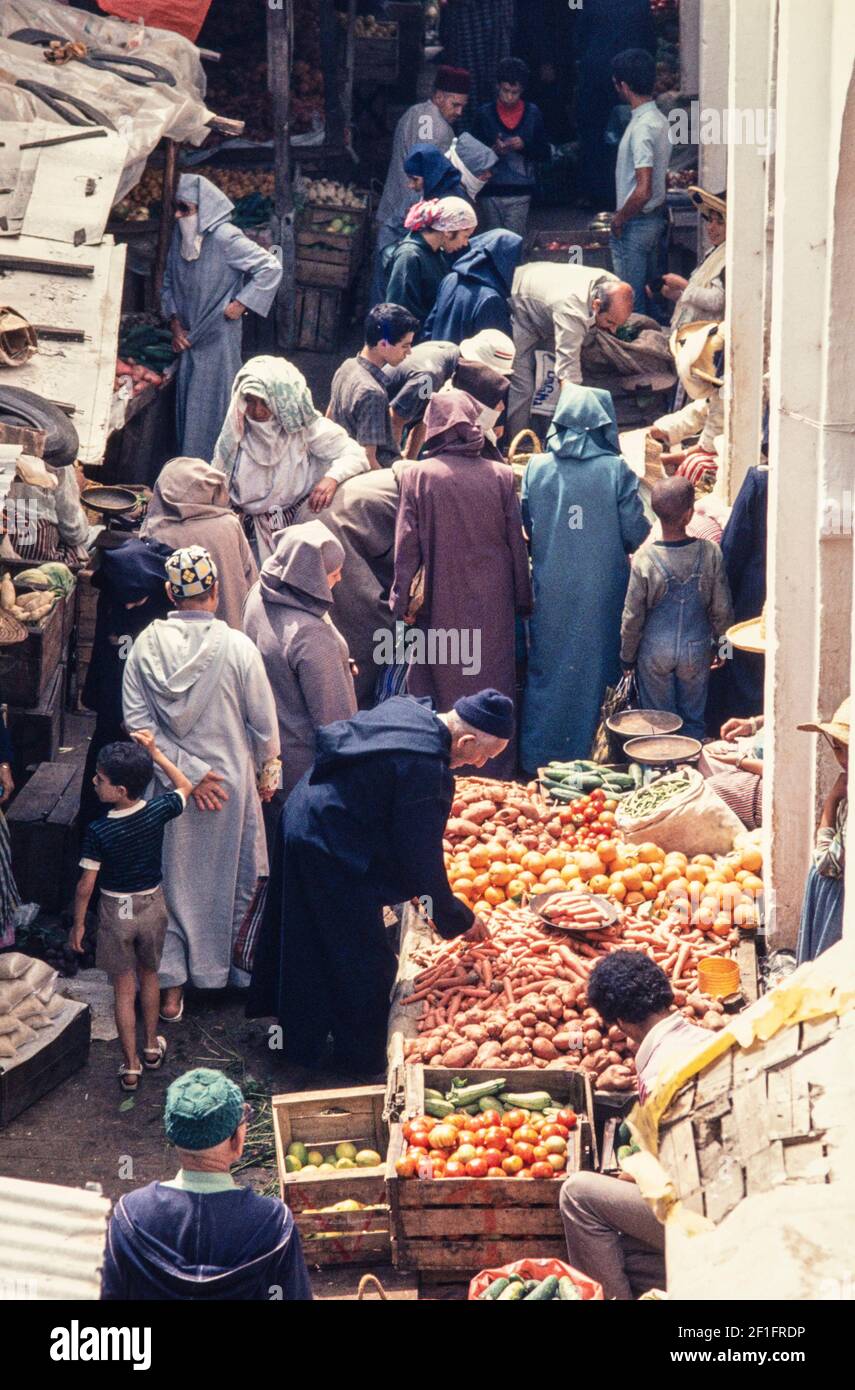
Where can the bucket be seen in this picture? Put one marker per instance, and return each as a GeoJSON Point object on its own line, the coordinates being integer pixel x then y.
{"type": "Point", "coordinates": [718, 977]}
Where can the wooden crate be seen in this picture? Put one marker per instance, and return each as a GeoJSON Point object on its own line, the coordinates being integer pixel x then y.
{"type": "Point", "coordinates": [322, 1119]}
{"type": "Point", "coordinates": [375, 59]}
{"type": "Point", "coordinates": [37, 733]}
{"type": "Point", "coordinates": [326, 258]}
{"type": "Point", "coordinates": [44, 1063]}
{"type": "Point", "coordinates": [462, 1225]}
{"type": "Point", "coordinates": [27, 669]}
{"type": "Point", "coordinates": [42, 828]}
{"type": "Point", "coordinates": [318, 316]}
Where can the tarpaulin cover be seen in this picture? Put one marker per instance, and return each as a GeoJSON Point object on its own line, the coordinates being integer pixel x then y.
{"type": "Point", "coordinates": [143, 115]}
{"type": "Point", "coordinates": [184, 16]}
{"type": "Point", "coordinates": [537, 1269]}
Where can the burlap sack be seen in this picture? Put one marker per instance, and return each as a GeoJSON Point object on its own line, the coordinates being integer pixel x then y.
{"type": "Point", "coordinates": [18, 342]}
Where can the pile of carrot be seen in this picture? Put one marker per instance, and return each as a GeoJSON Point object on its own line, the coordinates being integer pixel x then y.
{"type": "Point", "coordinates": [141, 376]}
{"type": "Point", "coordinates": [519, 999]}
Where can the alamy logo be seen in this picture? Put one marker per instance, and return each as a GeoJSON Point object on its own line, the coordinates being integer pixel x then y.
{"type": "Point", "coordinates": [76, 1343]}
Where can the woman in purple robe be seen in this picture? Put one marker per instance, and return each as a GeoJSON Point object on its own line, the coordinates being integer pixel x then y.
{"type": "Point", "coordinates": [459, 518]}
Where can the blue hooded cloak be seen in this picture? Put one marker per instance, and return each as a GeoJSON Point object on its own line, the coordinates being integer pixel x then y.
{"type": "Point", "coordinates": [583, 515]}
{"type": "Point", "coordinates": [474, 295]}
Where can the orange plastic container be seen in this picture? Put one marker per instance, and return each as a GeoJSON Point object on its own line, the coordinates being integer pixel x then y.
{"type": "Point", "coordinates": [718, 977]}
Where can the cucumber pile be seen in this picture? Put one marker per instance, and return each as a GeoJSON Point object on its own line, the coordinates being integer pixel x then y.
{"type": "Point", "coordinates": [483, 1096]}
{"type": "Point", "coordinates": [516, 1289]}
{"type": "Point", "coordinates": [567, 781]}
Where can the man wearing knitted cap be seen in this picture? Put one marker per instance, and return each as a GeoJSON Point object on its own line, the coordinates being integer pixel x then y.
{"type": "Point", "coordinates": [200, 1237]}
{"type": "Point", "coordinates": [429, 122]}
{"type": "Point", "coordinates": [201, 686]}
{"type": "Point", "coordinates": [362, 830]}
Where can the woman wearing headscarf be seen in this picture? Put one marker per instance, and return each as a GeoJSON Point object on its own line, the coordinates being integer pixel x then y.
{"type": "Point", "coordinates": [190, 506]}
{"type": "Point", "coordinates": [287, 616]}
{"type": "Point", "coordinates": [701, 298]}
{"type": "Point", "coordinates": [213, 275]}
{"type": "Point", "coordinates": [131, 588]}
{"type": "Point", "coordinates": [430, 174]}
{"type": "Point", "coordinates": [474, 161]}
{"type": "Point", "coordinates": [277, 451]}
{"type": "Point", "coordinates": [418, 264]}
{"type": "Point", "coordinates": [459, 519]}
{"type": "Point", "coordinates": [583, 516]}
{"type": "Point", "coordinates": [474, 294]}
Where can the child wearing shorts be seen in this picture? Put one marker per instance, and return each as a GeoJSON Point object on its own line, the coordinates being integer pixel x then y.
{"type": "Point", "coordinates": [125, 847]}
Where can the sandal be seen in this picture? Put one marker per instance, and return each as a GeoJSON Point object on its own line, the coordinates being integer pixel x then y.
{"type": "Point", "coordinates": [173, 1018]}
{"type": "Point", "coordinates": [159, 1053]}
{"type": "Point", "coordinates": [124, 1073]}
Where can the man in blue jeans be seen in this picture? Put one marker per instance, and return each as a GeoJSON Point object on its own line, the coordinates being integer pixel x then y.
{"type": "Point", "coordinates": [642, 163]}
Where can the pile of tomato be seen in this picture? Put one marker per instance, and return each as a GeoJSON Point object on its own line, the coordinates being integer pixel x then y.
{"type": "Point", "coordinates": [516, 1144]}
{"type": "Point", "coordinates": [588, 820]}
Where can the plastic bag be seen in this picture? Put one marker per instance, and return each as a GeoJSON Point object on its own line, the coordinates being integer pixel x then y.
{"type": "Point", "coordinates": [537, 1269]}
{"type": "Point", "coordinates": [695, 821]}
{"type": "Point", "coordinates": [607, 747]}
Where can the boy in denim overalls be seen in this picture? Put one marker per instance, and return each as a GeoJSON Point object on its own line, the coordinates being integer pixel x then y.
{"type": "Point", "coordinates": [677, 606]}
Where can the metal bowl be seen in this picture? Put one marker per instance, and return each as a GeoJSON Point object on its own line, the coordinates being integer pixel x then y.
{"type": "Point", "coordinates": [641, 723]}
{"type": "Point", "coordinates": [662, 748]}
{"type": "Point", "coordinates": [606, 906]}
{"type": "Point", "coordinates": [109, 501]}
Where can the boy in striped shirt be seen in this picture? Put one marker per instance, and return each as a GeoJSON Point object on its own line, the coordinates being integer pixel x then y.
{"type": "Point", "coordinates": [125, 847]}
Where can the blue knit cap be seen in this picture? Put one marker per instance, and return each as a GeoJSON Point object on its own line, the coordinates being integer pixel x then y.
{"type": "Point", "coordinates": [490, 711]}
{"type": "Point", "coordinates": [202, 1109]}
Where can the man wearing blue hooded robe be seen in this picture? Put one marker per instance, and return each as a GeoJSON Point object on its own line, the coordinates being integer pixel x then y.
{"type": "Point", "coordinates": [361, 830]}
{"type": "Point", "coordinates": [583, 515]}
{"type": "Point", "coordinates": [474, 294]}
{"type": "Point", "coordinates": [213, 274]}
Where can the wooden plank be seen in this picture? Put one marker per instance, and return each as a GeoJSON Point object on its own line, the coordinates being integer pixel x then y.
{"type": "Point", "coordinates": [726, 1192]}
{"type": "Point", "coordinates": [780, 1049]}
{"type": "Point", "coordinates": [750, 1119]}
{"type": "Point", "coordinates": [481, 1222]}
{"type": "Point", "coordinates": [746, 956]}
{"type": "Point", "coordinates": [715, 1081]}
{"type": "Point", "coordinates": [41, 793]}
{"type": "Point", "coordinates": [779, 1103]}
{"type": "Point", "coordinates": [467, 1257]}
{"type": "Point", "coordinates": [280, 28]}
{"type": "Point", "coordinates": [806, 1161]}
{"type": "Point", "coordinates": [765, 1169]}
{"type": "Point", "coordinates": [817, 1030]}
{"type": "Point", "coordinates": [373, 1248]}
{"type": "Point", "coordinates": [329, 320]}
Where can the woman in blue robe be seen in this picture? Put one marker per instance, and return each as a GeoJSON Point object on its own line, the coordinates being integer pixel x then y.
{"type": "Point", "coordinates": [362, 829]}
{"type": "Point", "coordinates": [213, 274]}
{"type": "Point", "coordinates": [583, 516]}
{"type": "Point", "coordinates": [474, 295]}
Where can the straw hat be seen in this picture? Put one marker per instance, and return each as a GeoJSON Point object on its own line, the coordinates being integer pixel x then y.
{"type": "Point", "coordinates": [837, 726]}
{"type": "Point", "coordinates": [491, 348]}
{"type": "Point", "coordinates": [716, 202]}
{"type": "Point", "coordinates": [749, 636]}
{"type": "Point", "coordinates": [11, 631]}
{"type": "Point", "coordinates": [693, 347]}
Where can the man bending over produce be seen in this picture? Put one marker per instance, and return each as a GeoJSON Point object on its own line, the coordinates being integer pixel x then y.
{"type": "Point", "coordinates": [612, 1234]}
{"type": "Point", "coordinates": [362, 830]}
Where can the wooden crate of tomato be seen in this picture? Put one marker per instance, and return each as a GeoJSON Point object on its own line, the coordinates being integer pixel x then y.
{"type": "Point", "coordinates": [482, 1214]}
{"type": "Point", "coordinates": [324, 1121]}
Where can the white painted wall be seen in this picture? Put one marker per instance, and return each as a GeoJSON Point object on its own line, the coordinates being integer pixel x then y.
{"type": "Point", "coordinates": [713, 83]}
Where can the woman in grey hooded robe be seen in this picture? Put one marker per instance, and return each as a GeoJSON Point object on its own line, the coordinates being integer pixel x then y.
{"type": "Point", "coordinates": [214, 273]}
{"type": "Point", "coordinates": [287, 616]}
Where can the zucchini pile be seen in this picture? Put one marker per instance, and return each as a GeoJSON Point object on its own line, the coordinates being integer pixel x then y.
{"type": "Point", "coordinates": [484, 1096]}
{"type": "Point", "coordinates": [515, 1289]}
{"type": "Point", "coordinates": [567, 781]}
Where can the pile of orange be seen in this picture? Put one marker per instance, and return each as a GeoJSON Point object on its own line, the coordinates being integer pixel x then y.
{"type": "Point", "coordinates": [715, 894]}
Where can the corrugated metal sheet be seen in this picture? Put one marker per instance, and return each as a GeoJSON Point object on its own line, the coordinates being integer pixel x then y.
{"type": "Point", "coordinates": [51, 1241]}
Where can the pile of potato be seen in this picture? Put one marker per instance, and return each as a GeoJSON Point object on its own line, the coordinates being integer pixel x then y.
{"type": "Point", "coordinates": [329, 193]}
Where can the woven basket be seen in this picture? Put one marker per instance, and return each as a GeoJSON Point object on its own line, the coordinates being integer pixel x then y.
{"type": "Point", "coordinates": [518, 458]}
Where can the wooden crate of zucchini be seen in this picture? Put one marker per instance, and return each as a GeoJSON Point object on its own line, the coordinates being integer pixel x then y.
{"type": "Point", "coordinates": [330, 1152]}
{"type": "Point", "coordinates": [457, 1225]}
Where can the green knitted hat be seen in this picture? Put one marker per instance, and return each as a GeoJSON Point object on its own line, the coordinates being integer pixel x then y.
{"type": "Point", "coordinates": [202, 1109]}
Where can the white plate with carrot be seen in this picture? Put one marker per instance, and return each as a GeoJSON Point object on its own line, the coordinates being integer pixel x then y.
{"type": "Point", "coordinates": [575, 912]}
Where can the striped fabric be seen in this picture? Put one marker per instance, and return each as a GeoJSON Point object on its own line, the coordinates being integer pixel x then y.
{"type": "Point", "coordinates": [127, 848]}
